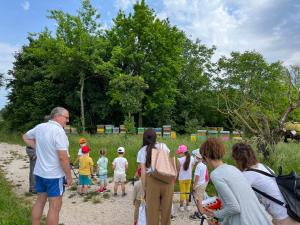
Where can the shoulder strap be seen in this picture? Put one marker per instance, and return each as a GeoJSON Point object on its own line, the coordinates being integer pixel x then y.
{"type": "Point", "coordinates": [261, 172]}
{"type": "Point", "coordinates": [270, 197]}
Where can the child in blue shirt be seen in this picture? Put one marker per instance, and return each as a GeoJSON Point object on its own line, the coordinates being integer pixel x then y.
{"type": "Point", "coordinates": [102, 170]}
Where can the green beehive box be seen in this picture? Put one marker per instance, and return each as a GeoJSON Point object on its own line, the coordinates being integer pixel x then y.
{"type": "Point", "coordinates": [212, 133]}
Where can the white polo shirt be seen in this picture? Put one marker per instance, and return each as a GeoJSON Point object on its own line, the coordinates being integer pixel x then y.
{"type": "Point", "coordinates": [49, 138]}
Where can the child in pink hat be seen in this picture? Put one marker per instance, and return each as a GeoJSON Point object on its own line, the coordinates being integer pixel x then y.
{"type": "Point", "coordinates": [186, 163]}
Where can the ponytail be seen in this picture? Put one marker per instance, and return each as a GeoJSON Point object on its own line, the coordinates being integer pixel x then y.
{"type": "Point", "coordinates": [149, 140]}
{"type": "Point", "coordinates": [186, 164]}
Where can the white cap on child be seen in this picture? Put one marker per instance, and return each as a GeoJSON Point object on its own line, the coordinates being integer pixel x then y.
{"type": "Point", "coordinates": [121, 150]}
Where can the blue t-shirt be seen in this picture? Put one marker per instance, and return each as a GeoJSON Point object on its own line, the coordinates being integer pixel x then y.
{"type": "Point", "coordinates": [102, 164]}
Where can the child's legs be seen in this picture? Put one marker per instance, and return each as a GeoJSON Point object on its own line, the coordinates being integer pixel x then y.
{"type": "Point", "coordinates": [123, 180]}
{"type": "Point", "coordinates": [182, 190]}
{"type": "Point", "coordinates": [85, 188]}
{"type": "Point", "coordinates": [188, 190]}
{"type": "Point", "coordinates": [200, 190]}
{"type": "Point", "coordinates": [116, 187]}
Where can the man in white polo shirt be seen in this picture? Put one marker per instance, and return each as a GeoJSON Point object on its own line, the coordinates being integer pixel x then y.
{"type": "Point", "coordinates": [52, 167]}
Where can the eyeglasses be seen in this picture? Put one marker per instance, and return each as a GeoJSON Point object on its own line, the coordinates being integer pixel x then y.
{"type": "Point", "coordinates": [67, 118]}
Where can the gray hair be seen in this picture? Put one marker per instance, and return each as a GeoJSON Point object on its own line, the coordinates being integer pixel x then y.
{"type": "Point", "coordinates": [47, 118]}
{"type": "Point", "coordinates": [57, 111]}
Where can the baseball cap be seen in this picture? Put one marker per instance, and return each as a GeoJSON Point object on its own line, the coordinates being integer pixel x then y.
{"type": "Point", "coordinates": [196, 153]}
{"type": "Point", "coordinates": [82, 140]}
{"type": "Point", "coordinates": [85, 149]}
{"type": "Point", "coordinates": [121, 150]}
{"type": "Point", "coordinates": [181, 149]}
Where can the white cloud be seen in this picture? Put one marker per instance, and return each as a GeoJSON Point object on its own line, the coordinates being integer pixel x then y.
{"type": "Point", "coordinates": [237, 25]}
{"type": "Point", "coordinates": [26, 5]}
{"type": "Point", "coordinates": [7, 51]}
{"type": "Point", "coordinates": [124, 4]}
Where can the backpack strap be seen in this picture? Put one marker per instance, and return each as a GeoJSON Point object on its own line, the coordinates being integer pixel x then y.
{"type": "Point", "coordinates": [261, 172]}
{"type": "Point", "coordinates": [271, 174]}
{"type": "Point", "coordinates": [270, 197]}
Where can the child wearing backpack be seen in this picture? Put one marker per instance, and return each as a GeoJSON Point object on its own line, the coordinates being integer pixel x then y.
{"type": "Point", "coordinates": [102, 170]}
{"type": "Point", "coordinates": [120, 165]}
{"type": "Point", "coordinates": [85, 169]}
{"type": "Point", "coordinates": [185, 167]}
{"type": "Point", "coordinates": [245, 159]}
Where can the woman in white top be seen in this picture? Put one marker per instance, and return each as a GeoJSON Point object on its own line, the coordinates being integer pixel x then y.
{"type": "Point", "coordinates": [158, 194]}
{"type": "Point", "coordinates": [186, 164]}
{"type": "Point", "coordinates": [245, 158]}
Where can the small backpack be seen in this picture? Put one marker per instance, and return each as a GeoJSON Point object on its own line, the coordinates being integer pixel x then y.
{"type": "Point", "coordinates": [289, 186]}
{"type": "Point", "coordinates": [163, 166]}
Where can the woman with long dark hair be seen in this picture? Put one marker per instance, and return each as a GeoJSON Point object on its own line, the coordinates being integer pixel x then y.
{"type": "Point", "coordinates": [158, 194]}
{"type": "Point", "coordinates": [245, 158]}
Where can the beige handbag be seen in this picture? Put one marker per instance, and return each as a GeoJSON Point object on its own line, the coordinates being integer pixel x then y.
{"type": "Point", "coordinates": [163, 166]}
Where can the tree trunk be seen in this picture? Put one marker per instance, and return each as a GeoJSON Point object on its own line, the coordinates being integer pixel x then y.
{"type": "Point", "coordinates": [82, 102]}
{"type": "Point", "coordinates": [140, 119]}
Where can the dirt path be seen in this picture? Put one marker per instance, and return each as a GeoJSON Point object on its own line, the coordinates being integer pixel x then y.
{"type": "Point", "coordinates": [77, 210]}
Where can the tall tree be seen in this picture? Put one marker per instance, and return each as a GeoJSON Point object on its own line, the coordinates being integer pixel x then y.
{"type": "Point", "coordinates": [80, 42]}
{"type": "Point", "coordinates": [142, 45]}
{"type": "Point", "coordinates": [258, 96]}
{"type": "Point", "coordinates": [195, 104]}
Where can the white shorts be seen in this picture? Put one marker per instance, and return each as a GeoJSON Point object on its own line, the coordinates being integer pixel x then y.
{"type": "Point", "coordinates": [120, 177]}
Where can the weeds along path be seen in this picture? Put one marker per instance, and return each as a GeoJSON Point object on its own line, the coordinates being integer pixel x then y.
{"type": "Point", "coordinates": [93, 209]}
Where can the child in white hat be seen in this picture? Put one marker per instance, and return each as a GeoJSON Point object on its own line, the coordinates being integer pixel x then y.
{"type": "Point", "coordinates": [201, 179]}
{"type": "Point", "coordinates": [120, 165]}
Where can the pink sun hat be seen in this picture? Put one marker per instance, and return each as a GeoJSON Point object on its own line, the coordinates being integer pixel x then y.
{"type": "Point", "coordinates": [181, 149]}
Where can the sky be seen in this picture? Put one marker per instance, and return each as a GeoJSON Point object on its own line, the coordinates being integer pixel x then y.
{"type": "Point", "coordinates": [271, 27]}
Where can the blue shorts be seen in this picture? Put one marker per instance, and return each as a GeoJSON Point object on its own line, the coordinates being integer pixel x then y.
{"type": "Point", "coordinates": [54, 187]}
{"type": "Point", "coordinates": [84, 180]}
{"type": "Point", "coordinates": [103, 177]}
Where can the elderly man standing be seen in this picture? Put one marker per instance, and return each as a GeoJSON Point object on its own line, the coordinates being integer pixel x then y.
{"type": "Point", "coordinates": [52, 165]}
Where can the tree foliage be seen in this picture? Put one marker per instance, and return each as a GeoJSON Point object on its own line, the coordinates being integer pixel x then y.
{"type": "Point", "coordinates": [256, 95]}
{"type": "Point", "coordinates": [144, 71]}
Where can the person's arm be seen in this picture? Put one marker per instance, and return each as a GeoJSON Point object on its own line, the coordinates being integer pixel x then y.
{"type": "Point", "coordinates": [65, 164]}
{"type": "Point", "coordinates": [28, 141]}
{"type": "Point", "coordinates": [197, 177]}
{"type": "Point", "coordinates": [230, 204]}
{"type": "Point", "coordinates": [126, 165]}
{"type": "Point", "coordinates": [92, 168]}
{"type": "Point", "coordinates": [143, 176]}
{"type": "Point", "coordinates": [134, 193]}
{"type": "Point", "coordinates": [113, 165]}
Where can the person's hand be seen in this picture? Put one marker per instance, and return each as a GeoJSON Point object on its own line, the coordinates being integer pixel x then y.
{"type": "Point", "coordinates": [213, 222]}
{"type": "Point", "coordinates": [68, 181]}
{"type": "Point", "coordinates": [208, 212]}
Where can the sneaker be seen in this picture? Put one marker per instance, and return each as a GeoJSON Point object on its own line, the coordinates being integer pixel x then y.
{"type": "Point", "coordinates": [181, 208]}
{"type": "Point", "coordinates": [124, 194]}
{"type": "Point", "coordinates": [115, 194]}
{"type": "Point", "coordinates": [173, 217]}
{"type": "Point", "coordinates": [188, 208]}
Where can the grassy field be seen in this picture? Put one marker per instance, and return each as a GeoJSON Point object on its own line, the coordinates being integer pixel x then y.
{"type": "Point", "coordinates": [11, 211]}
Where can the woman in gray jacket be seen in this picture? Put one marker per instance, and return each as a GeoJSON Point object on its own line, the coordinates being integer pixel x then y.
{"type": "Point", "coordinates": [240, 205]}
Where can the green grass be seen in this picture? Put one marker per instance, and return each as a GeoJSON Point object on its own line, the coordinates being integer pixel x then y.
{"type": "Point", "coordinates": [13, 210]}
{"type": "Point", "coordinates": [287, 155]}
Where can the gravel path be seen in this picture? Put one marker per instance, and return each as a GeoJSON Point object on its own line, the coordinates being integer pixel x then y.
{"type": "Point", "coordinates": [78, 210]}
